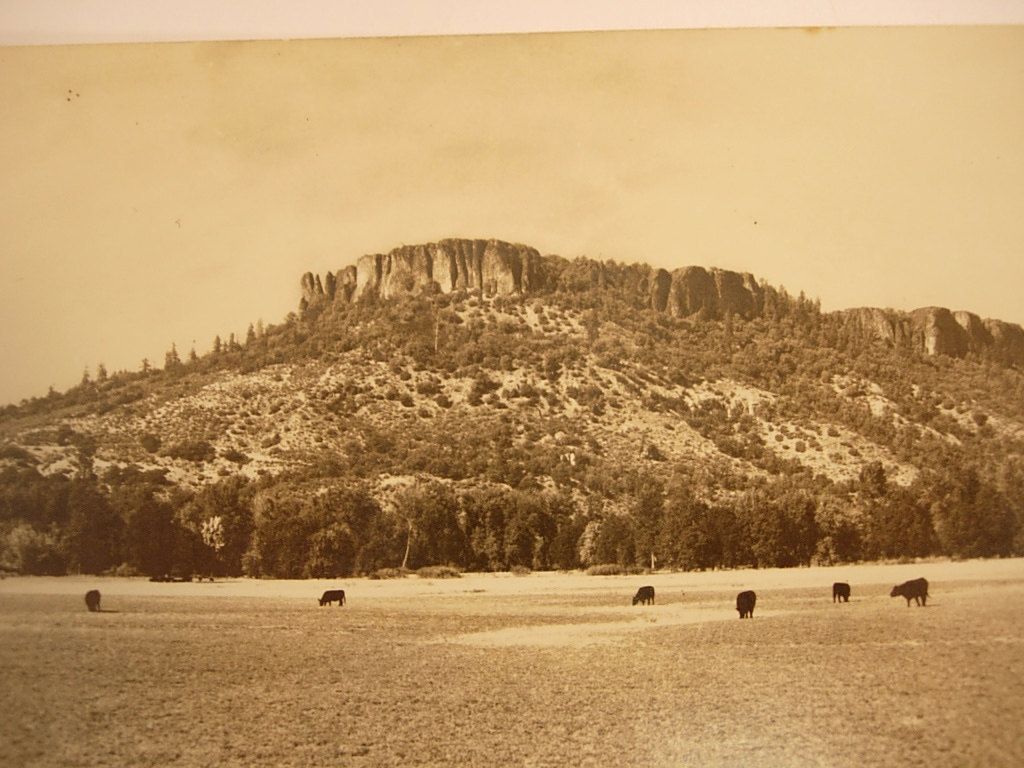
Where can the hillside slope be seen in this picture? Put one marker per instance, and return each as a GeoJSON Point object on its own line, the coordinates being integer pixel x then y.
{"type": "Point", "coordinates": [476, 403]}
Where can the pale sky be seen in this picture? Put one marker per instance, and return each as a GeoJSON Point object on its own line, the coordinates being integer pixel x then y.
{"type": "Point", "coordinates": [152, 194]}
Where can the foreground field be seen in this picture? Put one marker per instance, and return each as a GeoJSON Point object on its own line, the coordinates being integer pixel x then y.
{"type": "Point", "coordinates": [543, 670]}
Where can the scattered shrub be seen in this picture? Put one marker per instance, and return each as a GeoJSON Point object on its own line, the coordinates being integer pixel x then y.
{"type": "Point", "coordinates": [654, 453]}
{"type": "Point", "coordinates": [151, 443]}
{"type": "Point", "coordinates": [389, 573]}
{"type": "Point", "coordinates": [438, 572]}
{"type": "Point", "coordinates": [196, 451]}
{"type": "Point", "coordinates": [428, 387]}
{"type": "Point", "coordinates": [606, 569]}
{"type": "Point", "coordinates": [234, 455]}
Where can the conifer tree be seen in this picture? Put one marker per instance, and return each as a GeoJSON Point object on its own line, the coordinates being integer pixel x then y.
{"type": "Point", "coordinates": [171, 359]}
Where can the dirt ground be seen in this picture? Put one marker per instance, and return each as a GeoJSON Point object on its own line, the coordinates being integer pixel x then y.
{"type": "Point", "coordinates": [537, 670]}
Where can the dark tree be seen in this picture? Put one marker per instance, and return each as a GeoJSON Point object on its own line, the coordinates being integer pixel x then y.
{"type": "Point", "coordinates": [648, 513]}
{"type": "Point", "coordinates": [94, 530]}
{"type": "Point", "coordinates": [153, 540]}
{"type": "Point", "coordinates": [971, 518]}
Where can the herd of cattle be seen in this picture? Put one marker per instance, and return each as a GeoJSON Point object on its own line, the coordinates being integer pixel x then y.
{"type": "Point", "coordinates": [915, 589]}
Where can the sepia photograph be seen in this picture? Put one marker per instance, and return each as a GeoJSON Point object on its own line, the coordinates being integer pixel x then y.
{"type": "Point", "coordinates": [638, 397]}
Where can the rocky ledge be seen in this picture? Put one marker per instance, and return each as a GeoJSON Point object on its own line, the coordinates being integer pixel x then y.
{"type": "Point", "coordinates": [938, 331]}
{"type": "Point", "coordinates": [495, 267]}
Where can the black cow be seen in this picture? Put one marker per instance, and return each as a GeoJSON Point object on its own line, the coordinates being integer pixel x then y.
{"type": "Point", "coordinates": [745, 602]}
{"type": "Point", "coordinates": [92, 599]}
{"type": "Point", "coordinates": [332, 595]}
{"type": "Point", "coordinates": [915, 589]}
{"type": "Point", "coordinates": [840, 592]}
{"type": "Point", "coordinates": [644, 595]}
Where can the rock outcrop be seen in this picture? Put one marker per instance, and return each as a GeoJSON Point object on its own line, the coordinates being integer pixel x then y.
{"type": "Point", "coordinates": [711, 293]}
{"type": "Point", "coordinates": [938, 331]}
{"type": "Point", "coordinates": [491, 266]}
{"type": "Point", "coordinates": [495, 267]}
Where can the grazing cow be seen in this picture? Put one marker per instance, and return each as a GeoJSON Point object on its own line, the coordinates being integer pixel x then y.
{"type": "Point", "coordinates": [915, 589]}
{"type": "Point", "coordinates": [332, 595]}
{"type": "Point", "coordinates": [745, 602]}
{"type": "Point", "coordinates": [840, 592]}
{"type": "Point", "coordinates": [644, 595]}
{"type": "Point", "coordinates": [92, 599]}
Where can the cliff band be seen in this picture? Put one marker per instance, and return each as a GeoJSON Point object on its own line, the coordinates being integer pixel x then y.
{"type": "Point", "coordinates": [495, 267]}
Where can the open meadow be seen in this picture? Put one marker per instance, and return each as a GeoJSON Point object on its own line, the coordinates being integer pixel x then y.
{"type": "Point", "coordinates": [539, 670]}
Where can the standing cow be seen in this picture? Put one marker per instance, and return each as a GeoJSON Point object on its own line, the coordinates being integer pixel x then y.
{"type": "Point", "coordinates": [333, 595]}
{"type": "Point", "coordinates": [92, 600]}
{"type": "Point", "coordinates": [745, 602]}
{"type": "Point", "coordinates": [644, 595]}
{"type": "Point", "coordinates": [915, 589]}
{"type": "Point", "coordinates": [840, 592]}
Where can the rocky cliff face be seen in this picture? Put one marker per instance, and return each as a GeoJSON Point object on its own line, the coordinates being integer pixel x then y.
{"type": "Point", "coordinates": [491, 266]}
{"type": "Point", "coordinates": [495, 267]}
{"type": "Point", "coordinates": [712, 293]}
{"type": "Point", "coordinates": [938, 331]}
{"type": "Point", "coordinates": [499, 268]}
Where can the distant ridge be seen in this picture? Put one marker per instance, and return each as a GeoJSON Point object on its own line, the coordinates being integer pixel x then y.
{"type": "Point", "coordinates": [496, 267]}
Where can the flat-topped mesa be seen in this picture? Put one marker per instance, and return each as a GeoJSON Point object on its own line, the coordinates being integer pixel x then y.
{"type": "Point", "coordinates": [495, 267]}
{"type": "Point", "coordinates": [491, 266]}
{"type": "Point", "coordinates": [938, 331]}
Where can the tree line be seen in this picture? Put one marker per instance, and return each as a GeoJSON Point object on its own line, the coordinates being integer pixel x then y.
{"type": "Point", "coordinates": [135, 522]}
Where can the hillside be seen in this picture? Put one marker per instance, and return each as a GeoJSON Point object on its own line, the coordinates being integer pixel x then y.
{"type": "Point", "coordinates": [480, 404]}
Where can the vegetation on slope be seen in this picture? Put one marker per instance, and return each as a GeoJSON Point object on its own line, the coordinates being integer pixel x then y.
{"type": "Point", "coordinates": [560, 430]}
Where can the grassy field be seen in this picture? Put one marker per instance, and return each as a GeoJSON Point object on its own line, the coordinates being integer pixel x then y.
{"type": "Point", "coordinates": [541, 670]}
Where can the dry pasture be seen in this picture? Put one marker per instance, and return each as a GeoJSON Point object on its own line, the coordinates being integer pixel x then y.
{"type": "Point", "coordinates": [541, 670]}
